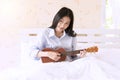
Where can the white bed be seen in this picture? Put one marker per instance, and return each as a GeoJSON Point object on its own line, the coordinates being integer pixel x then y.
{"type": "Point", "coordinates": [103, 65]}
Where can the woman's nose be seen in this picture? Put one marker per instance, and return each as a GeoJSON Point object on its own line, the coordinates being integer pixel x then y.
{"type": "Point", "coordinates": [62, 25]}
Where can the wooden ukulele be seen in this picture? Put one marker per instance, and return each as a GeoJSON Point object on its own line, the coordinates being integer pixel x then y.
{"type": "Point", "coordinates": [64, 53]}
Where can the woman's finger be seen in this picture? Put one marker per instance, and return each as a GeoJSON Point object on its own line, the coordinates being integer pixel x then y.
{"type": "Point", "coordinates": [82, 53]}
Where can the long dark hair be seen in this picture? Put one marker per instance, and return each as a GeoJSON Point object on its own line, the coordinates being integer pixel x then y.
{"type": "Point", "coordinates": [64, 11]}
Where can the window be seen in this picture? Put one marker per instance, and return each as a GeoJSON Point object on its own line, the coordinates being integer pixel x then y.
{"type": "Point", "coordinates": [112, 14]}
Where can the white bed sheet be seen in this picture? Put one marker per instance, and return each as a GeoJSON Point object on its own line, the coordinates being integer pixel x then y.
{"type": "Point", "coordinates": [103, 65]}
{"type": "Point", "coordinates": [88, 68]}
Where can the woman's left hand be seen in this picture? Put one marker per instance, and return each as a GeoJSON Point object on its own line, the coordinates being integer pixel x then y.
{"type": "Point", "coordinates": [83, 53]}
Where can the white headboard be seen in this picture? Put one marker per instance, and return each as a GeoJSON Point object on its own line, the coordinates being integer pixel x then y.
{"type": "Point", "coordinates": [104, 38]}
{"type": "Point", "coordinates": [109, 38]}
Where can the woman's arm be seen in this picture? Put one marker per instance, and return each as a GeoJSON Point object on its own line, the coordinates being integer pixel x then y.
{"type": "Point", "coordinates": [37, 46]}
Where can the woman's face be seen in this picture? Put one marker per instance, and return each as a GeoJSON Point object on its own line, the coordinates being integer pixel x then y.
{"type": "Point", "coordinates": [62, 24]}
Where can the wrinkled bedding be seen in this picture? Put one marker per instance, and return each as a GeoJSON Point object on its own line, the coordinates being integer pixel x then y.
{"type": "Point", "coordinates": [88, 68]}
{"type": "Point", "coordinates": [101, 66]}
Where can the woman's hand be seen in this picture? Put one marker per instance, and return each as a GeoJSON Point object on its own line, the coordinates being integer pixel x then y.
{"type": "Point", "coordinates": [53, 55]}
{"type": "Point", "coordinates": [83, 53]}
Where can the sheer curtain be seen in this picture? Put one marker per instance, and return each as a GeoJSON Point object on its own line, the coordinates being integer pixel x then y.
{"type": "Point", "coordinates": [115, 5]}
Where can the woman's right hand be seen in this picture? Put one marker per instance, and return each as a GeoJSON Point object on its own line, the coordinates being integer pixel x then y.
{"type": "Point", "coordinates": [53, 55]}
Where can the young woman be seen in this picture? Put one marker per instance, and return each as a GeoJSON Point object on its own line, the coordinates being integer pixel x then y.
{"type": "Point", "coordinates": [59, 35]}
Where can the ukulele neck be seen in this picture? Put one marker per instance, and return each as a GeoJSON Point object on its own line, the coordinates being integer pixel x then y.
{"type": "Point", "coordinates": [72, 52]}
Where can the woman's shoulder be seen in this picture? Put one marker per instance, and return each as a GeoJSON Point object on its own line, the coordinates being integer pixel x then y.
{"type": "Point", "coordinates": [47, 31]}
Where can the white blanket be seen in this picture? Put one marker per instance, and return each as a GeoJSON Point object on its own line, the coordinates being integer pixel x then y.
{"type": "Point", "coordinates": [102, 66]}
{"type": "Point", "coordinates": [88, 68]}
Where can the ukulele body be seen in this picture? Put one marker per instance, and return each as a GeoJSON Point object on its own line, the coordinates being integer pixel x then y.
{"type": "Point", "coordinates": [47, 59]}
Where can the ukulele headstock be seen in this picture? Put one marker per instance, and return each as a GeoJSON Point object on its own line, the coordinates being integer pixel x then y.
{"type": "Point", "coordinates": [92, 49]}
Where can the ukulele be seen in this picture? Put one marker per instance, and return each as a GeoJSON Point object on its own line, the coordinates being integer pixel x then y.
{"type": "Point", "coordinates": [63, 53]}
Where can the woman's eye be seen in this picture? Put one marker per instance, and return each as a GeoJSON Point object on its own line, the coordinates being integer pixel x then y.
{"type": "Point", "coordinates": [67, 23]}
{"type": "Point", "coordinates": [61, 21]}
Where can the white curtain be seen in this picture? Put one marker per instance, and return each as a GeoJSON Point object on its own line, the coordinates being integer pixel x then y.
{"type": "Point", "coordinates": [115, 5]}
